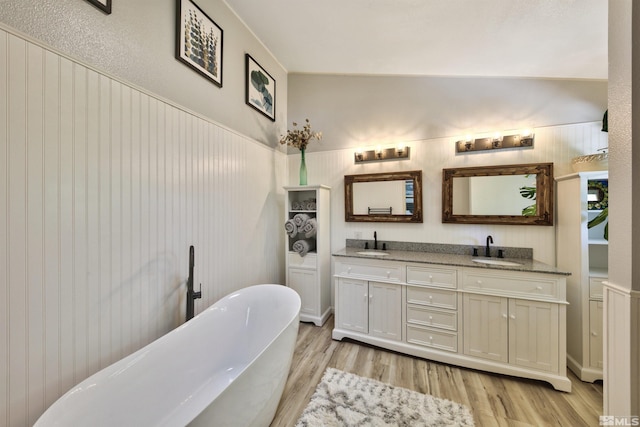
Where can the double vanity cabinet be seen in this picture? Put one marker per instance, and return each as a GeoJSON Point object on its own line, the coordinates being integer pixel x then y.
{"type": "Point", "coordinates": [508, 319]}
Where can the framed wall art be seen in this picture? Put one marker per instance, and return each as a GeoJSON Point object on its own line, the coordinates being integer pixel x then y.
{"type": "Point", "coordinates": [260, 92]}
{"type": "Point", "coordinates": [103, 5]}
{"type": "Point", "coordinates": [199, 41]}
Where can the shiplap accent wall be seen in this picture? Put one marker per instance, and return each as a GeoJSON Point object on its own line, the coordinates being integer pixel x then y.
{"type": "Point", "coordinates": [557, 144]}
{"type": "Point", "coordinates": [103, 187]}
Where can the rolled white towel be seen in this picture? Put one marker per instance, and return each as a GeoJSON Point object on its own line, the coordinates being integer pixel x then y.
{"type": "Point", "coordinates": [291, 228]}
{"type": "Point", "coordinates": [310, 228]}
{"type": "Point", "coordinates": [296, 206]}
{"type": "Point", "coordinates": [300, 219]}
{"type": "Point", "coordinates": [302, 247]}
{"type": "Point", "coordinates": [311, 206]}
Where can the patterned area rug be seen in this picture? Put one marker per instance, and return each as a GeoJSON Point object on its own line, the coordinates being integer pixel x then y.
{"type": "Point", "coordinates": [343, 399]}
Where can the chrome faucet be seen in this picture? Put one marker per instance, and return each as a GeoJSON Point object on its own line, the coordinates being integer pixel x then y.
{"type": "Point", "coordinates": [191, 295]}
{"type": "Point", "coordinates": [487, 250]}
{"type": "Point", "coordinates": [375, 240]}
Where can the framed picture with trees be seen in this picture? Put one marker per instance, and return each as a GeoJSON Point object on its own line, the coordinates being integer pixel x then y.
{"type": "Point", "coordinates": [199, 41]}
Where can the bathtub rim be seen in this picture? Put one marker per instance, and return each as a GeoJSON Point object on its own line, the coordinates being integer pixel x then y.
{"type": "Point", "coordinates": [189, 414]}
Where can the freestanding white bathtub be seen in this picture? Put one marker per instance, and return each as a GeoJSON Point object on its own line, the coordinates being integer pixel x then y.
{"type": "Point", "coordinates": [225, 367]}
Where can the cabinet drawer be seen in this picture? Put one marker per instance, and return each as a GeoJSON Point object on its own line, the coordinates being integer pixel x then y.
{"type": "Point", "coordinates": [440, 340]}
{"type": "Point", "coordinates": [432, 276]}
{"type": "Point", "coordinates": [379, 271]}
{"type": "Point", "coordinates": [297, 261]}
{"type": "Point", "coordinates": [595, 287]}
{"type": "Point", "coordinates": [432, 297]}
{"type": "Point", "coordinates": [433, 318]}
{"type": "Point", "coordinates": [516, 285]}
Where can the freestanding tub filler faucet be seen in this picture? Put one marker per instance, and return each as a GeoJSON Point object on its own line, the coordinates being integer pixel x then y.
{"type": "Point", "coordinates": [191, 295]}
{"type": "Point", "coordinates": [487, 250]}
{"type": "Point", "coordinates": [375, 240]}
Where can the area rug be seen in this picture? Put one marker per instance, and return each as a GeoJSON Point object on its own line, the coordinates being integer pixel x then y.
{"type": "Point", "coordinates": [343, 399]}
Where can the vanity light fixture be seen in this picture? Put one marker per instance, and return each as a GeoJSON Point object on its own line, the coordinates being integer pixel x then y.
{"type": "Point", "coordinates": [399, 152]}
{"type": "Point", "coordinates": [524, 139]}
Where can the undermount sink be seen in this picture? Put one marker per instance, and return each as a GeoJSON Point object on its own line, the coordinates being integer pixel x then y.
{"type": "Point", "coordinates": [373, 253]}
{"type": "Point", "coordinates": [495, 262]}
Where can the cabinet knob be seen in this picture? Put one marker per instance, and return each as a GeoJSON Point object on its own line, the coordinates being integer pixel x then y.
{"type": "Point", "coordinates": [349, 270]}
{"type": "Point", "coordinates": [430, 317]}
{"type": "Point", "coordinates": [504, 316]}
{"type": "Point", "coordinates": [513, 316]}
{"type": "Point", "coordinates": [479, 282]}
{"type": "Point", "coordinates": [595, 334]}
{"type": "Point", "coordinates": [388, 274]}
{"type": "Point", "coordinates": [539, 288]}
{"type": "Point", "coordinates": [430, 278]}
{"type": "Point", "coordinates": [430, 338]}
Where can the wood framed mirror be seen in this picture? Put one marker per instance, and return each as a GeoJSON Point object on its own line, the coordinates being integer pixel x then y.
{"type": "Point", "coordinates": [383, 197]}
{"type": "Point", "coordinates": [510, 194]}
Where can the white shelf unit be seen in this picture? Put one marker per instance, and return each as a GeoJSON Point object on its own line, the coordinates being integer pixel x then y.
{"type": "Point", "coordinates": [310, 275]}
{"type": "Point", "coordinates": [584, 253]}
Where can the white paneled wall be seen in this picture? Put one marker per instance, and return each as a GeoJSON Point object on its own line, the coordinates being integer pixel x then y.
{"type": "Point", "coordinates": [558, 144]}
{"type": "Point", "coordinates": [102, 189]}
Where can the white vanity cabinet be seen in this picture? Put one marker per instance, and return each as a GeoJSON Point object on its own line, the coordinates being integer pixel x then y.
{"type": "Point", "coordinates": [371, 308]}
{"type": "Point", "coordinates": [503, 321]}
{"type": "Point", "coordinates": [310, 275]}
{"type": "Point", "coordinates": [583, 252]}
{"type": "Point", "coordinates": [514, 331]}
{"type": "Point", "coordinates": [515, 318]}
{"type": "Point", "coordinates": [432, 301]}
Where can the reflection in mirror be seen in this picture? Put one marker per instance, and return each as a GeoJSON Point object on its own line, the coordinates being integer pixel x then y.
{"type": "Point", "coordinates": [384, 197]}
{"type": "Point", "coordinates": [511, 194]}
{"type": "Point", "coordinates": [494, 195]}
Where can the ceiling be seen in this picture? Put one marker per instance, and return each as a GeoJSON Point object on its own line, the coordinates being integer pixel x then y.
{"type": "Point", "coordinates": [498, 38]}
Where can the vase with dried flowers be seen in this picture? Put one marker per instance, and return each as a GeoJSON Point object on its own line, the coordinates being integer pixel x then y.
{"type": "Point", "coordinates": [300, 138]}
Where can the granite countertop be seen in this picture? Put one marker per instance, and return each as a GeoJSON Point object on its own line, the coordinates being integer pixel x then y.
{"type": "Point", "coordinates": [457, 260]}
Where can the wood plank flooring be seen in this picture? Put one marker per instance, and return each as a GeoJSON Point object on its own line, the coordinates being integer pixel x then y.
{"type": "Point", "coordinates": [495, 400]}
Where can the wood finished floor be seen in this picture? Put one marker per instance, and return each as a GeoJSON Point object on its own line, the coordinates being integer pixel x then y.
{"type": "Point", "coordinates": [494, 400]}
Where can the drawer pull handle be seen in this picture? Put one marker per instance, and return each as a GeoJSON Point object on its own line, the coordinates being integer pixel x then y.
{"type": "Point", "coordinates": [430, 338]}
{"type": "Point", "coordinates": [595, 334]}
{"type": "Point", "coordinates": [539, 288]}
{"type": "Point", "coordinates": [430, 317]}
{"type": "Point", "coordinates": [479, 282]}
{"type": "Point", "coordinates": [504, 316]}
{"type": "Point", "coordinates": [513, 316]}
{"type": "Point", "coordinates": [349, 270]}
{"type": "Point", "coordinates": [388, 274]}
{"type": "Point", "coordinates": [430, 278]}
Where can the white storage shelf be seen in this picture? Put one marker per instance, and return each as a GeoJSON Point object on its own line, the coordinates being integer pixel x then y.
{"type": "Point", "coordinates": [309, 275]}
{"type": "Point", "coordinates": [584, 252]}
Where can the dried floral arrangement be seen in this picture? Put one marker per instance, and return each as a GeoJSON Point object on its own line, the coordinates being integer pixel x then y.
{"type": "Point", "coordinates": [300, 138]}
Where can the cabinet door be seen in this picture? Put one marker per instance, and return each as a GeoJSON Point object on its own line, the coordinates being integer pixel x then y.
{"type": "Point", "coordinates": [595, 334]}
{"type": "Point", "coordinates": [304, 283]}
{"type": "Point", "coordinates": [385, 305]}
{"type": "Point", "coordinates": [485, 327]}
{"type": "Point", "coordinates": [352, 301]}
{"type": "Point", "coordinates": [533, 334]}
